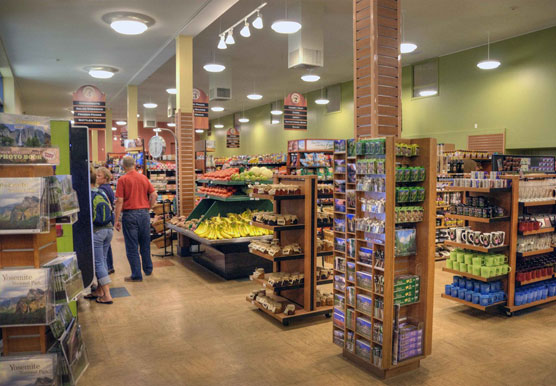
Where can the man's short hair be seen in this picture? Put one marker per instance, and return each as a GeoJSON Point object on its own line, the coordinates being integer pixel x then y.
{"type": "Point", "coordinates": [128, 162]}
{"type": "Point", "coordinates": [93, 176]}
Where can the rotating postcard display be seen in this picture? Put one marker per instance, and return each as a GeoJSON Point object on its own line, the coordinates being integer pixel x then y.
{"type": "Point", "coordinates": [67, 278]}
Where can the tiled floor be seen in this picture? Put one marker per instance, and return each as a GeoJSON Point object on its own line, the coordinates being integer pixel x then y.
{"type": "Point", "coordinates": [185, 326]}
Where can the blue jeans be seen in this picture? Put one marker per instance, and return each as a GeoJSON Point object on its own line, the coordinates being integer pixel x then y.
{"type": "Point", "coordinates": [101, 242]}
{"type": "Point", "coordinates": [136, 225]}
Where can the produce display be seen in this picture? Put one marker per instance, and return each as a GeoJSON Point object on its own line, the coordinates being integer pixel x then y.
{"type": "Point", "coordinates": [254, 174]}
{"type": "Point", "coordinates": [273, 248]}
{"type": "Point", "coordinates": [231, 226]}
{"type": "Point", "coordinates": [219, 191]}
{"type": "Point", "coordinates": [182, 222]}
{"type": "Point", "coordinates": [276, 189]}
{"type": "Point", "coordinates": [220, 175]}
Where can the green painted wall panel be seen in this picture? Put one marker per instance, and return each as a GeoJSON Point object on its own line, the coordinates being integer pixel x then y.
{"type": "Point", "coordinates": [518, 98]}
{"type": "Point", "coordinates": [60, 138]}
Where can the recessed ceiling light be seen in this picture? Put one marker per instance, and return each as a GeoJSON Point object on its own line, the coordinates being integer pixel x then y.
{"type": "Point", "coordinates": [217, 108]}
{"type": "Point", "coordinates": [255, 97]}
{"type": "Point", "coordinates": [286, 26]}
{"type": "Point", "coordinates": [310, 78]}
{"type": "Point", "coordinates": [276, 112]}
{"type": "Point", "coordinates": [218, 126]}
{"type": "Point", "coordinates": [243, 120]}
{"type": "Point", "coordinates": [171, 91]}
{"type": "Point", "coordinates": [406, 48]}
{"type": "Point", "coordinates": [121, 123]}
{"type": "Point", "coordinates": [128, 23]}
{"type": "Point", "coordinates": [171, 124]}
{"type": "Point", "coordinates": [101, 72]}
{"type": "Point", "coordinates": [150, 105]}
{"type": "Point", "coordinates": [199, 131]}
{"type": "Point", "coordinates": [428, 93]}
{"type": "Point", "coordinates": [214, 67]}
{"type": "Point", "coordinates": [114, 128]}
{"type": "Point", "coordinates": [322, 101]}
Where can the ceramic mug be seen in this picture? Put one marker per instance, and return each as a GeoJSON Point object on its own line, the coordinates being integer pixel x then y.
{"type": "Point", "coordinates": [463, 236]}
{"type": "Point", "coordinates": [477, 238]}
{"type": "Point", "coordinates": [452, 234]}
{"type": "Point", "coordinates": [485, 239]}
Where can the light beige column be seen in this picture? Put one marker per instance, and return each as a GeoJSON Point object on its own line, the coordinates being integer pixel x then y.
{"type": "Point", "coordinates": [108, 134]}
{"type": "Point", "coordinates": [132, 127]}
{"type": "Point", "coordinates": [94, 145]}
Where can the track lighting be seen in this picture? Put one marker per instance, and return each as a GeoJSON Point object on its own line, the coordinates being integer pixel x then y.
{"type": "Point", "coordinates": [245, 32]}
{"type": "Point", "coordinates": [222, 43]}
{"type": "Point", "coordinates": [227, 36]}
{"type": "Point", "coordinates": [258, 22]}
{"type": "Point", "coordinates": [230, 38]}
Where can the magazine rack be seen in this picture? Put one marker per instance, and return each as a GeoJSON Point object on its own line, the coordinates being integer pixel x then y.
{"type": "Point", "coordinates": [26, 250]}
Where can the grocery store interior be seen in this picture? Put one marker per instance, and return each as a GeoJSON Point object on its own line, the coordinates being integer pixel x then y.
{"type": "Point", "coordinates": [349, 192]}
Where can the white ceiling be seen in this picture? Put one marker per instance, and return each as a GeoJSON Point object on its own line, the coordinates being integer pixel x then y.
{"type": "Point", "coordinates": [48, 43]}
{"type": "Point", "coordinates": [37, 32]}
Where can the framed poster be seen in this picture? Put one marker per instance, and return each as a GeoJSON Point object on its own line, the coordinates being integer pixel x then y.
{"type": "Point", "coordinates": [232, 138]}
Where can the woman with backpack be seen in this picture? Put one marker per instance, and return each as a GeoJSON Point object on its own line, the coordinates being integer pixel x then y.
{"type": "Point", "coordinates": [103, 181]}
{"type": "Point", "coordinates": [102, 236]}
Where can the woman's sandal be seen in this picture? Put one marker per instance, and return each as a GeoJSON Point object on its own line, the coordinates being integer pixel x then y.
{"type": "Point", "coordinates": [90, 297]}
{"type": "Point", "coordinates": [101, 302]}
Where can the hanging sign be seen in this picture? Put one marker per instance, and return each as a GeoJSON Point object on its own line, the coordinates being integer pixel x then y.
{"type": "Point", "coordinates": [89, 107]}
{"type": "Point", "coordinates": [200, 110]}
{"type": "Point", "coordinates": [232, 138]}
{"type": "Point", "coordinates": [295, 112]}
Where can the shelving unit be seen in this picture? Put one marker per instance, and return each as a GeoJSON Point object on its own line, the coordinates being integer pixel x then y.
{"type": "Point", "coordinates": [304, 206]}
{"type": "Point", "coordinates": [382, 361]}
{"type": "Point", "coordinates": [297, 149]}
{"type": "Point", "coordinates": [505, 198]}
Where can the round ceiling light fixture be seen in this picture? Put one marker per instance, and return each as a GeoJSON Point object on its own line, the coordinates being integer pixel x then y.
{"type": "Point", "coordinates": [150, 105]}
{"type": "Point", "coordinates": [406, 48]}
{"type": "Point", "coordinates": [322, 101]}
{"type": "Point", "coordinates": [171, 124]}
{"type": "Point", "coordinates": [243, 120]}
{"type": "Point", "coordinates": [121, 123]}
{"type": "Point", "coordinates": [276, 112]}
{"type": "Point", "coordinates": [128, 23]}
{"type": "Point", "coordinates": [255, 97]}
{"type": "Point", "coordinates": [172, 91]}
{"type": "Point", "coordinates": [101, 72]}
{"type": "Point", "coordinates": [217, 108]}
{"type": "Point", "coordinates": [218, 126]}
{"type": "Point", "coordinates": [156, 130]}
{"type": "Point", "coordinates": [488, 64]}
{"type": "Point", "coordinates": [199, 131]}
{"type": "Point", "coordinates": [275, 121]}
{"type": "Point", "coordinates": [114, 128]}
{"type": "Point", "coordinates": [285, 26]}
{"type": "Point", "coordinates": [310, 77]}
{"type": "Point", "coordinates": [214, 67]}
{"type": "Point", "coordinates": [138, 115]}
{"type": "Point", "coordinates": [426, 93]}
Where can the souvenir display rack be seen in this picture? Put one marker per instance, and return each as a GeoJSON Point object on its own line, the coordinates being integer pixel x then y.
{"type": "Point", "coordinates": [298, 149]}
{"type": "Point", "coordinates": [379, 273]}
{"type": "Point", "coordinates": [304, 206]}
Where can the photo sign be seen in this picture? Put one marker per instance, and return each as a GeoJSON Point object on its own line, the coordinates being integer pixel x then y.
{"type": "Point", "coordinates": [89, 107]}
{"type": "Point", "coordinates": [200, 110]}
{"type": "Point", "coordinates": [232, 138]}
{"type": "Point", "coordinates": [25, 139]}
{"type": "Point", "coordinates": [295, 112]}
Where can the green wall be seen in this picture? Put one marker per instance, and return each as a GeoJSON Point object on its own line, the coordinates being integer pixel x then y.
{"type": "Point", "coordinates": [59, 131]}
{"type": "Point", "coordinates": [260, 137]}
{"type": "Point", "coordinates": [518, 98]}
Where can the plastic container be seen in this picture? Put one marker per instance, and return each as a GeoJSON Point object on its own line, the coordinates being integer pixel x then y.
{"type": "Point", "coordinates": [448, 289]}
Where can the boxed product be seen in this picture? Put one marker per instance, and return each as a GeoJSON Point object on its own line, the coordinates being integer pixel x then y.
{"type": "Point", "coordinates": [405, 242]}
{"type": "Point", "coordinates": [26, 297]}
{"type": "Point", "coordinates": [68, 282]}
{"type": "Point", "coordinates": [23, 205]}
{"type": "Point", "coordinates": [365, 304]}
{"type": "Point", "coordinates": [363, 349]}
{"type": "Point", "coordinates": [365, 280]}
{"type": "Point", "coordinates": [363, 326]}
{"type": "Point", "coordinates": [40, 369]}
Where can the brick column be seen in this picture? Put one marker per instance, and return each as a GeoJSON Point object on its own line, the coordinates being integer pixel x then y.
{"type": "Point", "coordinates": [185, 162]}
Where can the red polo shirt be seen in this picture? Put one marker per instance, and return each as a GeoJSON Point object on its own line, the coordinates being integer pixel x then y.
{"type": "Point", "coordinates": [134, 188]}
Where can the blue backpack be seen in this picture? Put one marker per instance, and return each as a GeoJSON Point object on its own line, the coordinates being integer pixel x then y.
{"type": "Point", "coordinates": [102, 210]}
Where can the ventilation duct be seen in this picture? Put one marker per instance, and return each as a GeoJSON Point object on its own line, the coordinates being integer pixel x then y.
{"type": "Point", "coordinates": [220, 86]}
{"type": "Point", "coordinates": [306, 47]}
{"type": "Point", "coordinates": [149, 118]}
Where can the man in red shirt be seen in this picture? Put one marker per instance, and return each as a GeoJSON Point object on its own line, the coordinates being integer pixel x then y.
{"type": "Point", "coordinates": [135, 195]}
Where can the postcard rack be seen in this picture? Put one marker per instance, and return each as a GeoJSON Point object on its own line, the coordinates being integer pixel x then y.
{"type": "Point", "coordinates": [303, 295]}
{"type": "Point", "coordinates": [383, 289]}
{"type": "Point", "coordinates": [26, 250]}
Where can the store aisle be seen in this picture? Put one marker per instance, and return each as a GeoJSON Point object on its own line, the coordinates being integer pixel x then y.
{"type": "Point", "coordinates": [185, 326]}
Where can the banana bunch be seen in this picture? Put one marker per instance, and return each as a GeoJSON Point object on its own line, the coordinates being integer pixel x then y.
{"type": "Point", "coordinates": [229, 227]}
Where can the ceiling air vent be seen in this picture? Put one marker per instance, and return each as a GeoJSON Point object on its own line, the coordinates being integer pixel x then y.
{"type": "Point", "coordinates": [149, 118]}
{"type": "Point", "coordinates": [220, 86]}
{"type": "Point", "coordinates": [306, 47]}
{"type": "Point", "coordinates": [220, 94]}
